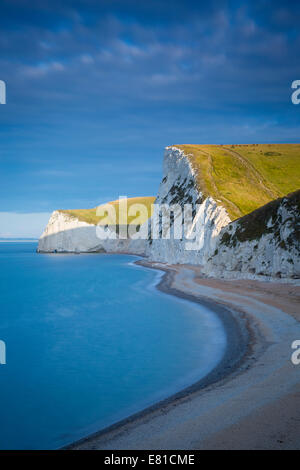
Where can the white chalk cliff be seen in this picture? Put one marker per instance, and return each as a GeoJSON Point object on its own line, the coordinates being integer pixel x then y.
{"type": "Point", "coordinates": [223, 248]}
{"type": "Point", "coordinates": [67, 234]}
{"type": "Point", "coordinates": [179, 186]}
{"type": "Point", "coordinates": [265, 242]}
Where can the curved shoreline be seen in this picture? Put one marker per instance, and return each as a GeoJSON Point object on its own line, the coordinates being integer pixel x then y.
{"type": "Point", "coordinates": [240, 339]}
{"type": "Point", "coordinates": [239, 334]}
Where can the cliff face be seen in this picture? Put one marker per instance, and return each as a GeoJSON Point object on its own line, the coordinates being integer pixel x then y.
{"type": "Point", "coordinates": [201, 191]}
{"type": "Point", "coordinates": [265, 242]}
{"type": "Point", "coordinates": [65, 233]}
{"type": "Point", "coordinates": [179, 186]}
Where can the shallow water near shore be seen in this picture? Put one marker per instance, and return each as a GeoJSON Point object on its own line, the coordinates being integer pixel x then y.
{"type": "Point", "coordinates": [90, 341]}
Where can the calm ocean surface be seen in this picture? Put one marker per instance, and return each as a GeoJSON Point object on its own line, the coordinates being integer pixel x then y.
{"type": "Point", "coordinates": [90, 341]}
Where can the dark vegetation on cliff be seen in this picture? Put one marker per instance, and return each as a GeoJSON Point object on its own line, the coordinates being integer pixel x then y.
{"type": "Point", "coordinates": [268, 219]}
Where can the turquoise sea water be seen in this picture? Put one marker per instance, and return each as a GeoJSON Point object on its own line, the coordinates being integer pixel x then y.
{"type": "Point", "coordinates": [89, 341]}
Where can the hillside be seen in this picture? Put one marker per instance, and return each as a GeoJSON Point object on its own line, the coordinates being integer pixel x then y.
{"type": "Point", "coordinates": [264, 242]}
{"type": "Point", "coordinates": [242, 223]}
{"type": "Point", "coordinates": [89, 215]}
{"type": "Point", "coordinates": [245, 177]}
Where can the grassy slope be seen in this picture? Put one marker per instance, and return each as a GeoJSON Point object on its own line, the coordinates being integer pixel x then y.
{"type": "Point", "coordinates": [90, 216]}
{"type": "Point", "coordinates": [245, 177]}
{"type": "Point", "coordinates": [254, 225]}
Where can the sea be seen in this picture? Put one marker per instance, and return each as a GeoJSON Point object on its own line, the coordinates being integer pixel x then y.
{"type": "Point", "coordinates": [88, 340]}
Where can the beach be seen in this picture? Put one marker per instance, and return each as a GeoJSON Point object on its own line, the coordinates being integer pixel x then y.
{"type": "Point", "coordinates": [251, 399]}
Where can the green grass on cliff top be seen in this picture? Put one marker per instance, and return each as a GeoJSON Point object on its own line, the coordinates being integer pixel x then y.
{"type": "Point", "coordinates": [90, 216]}
{"type": "Point", "coordinates": [245, 177]}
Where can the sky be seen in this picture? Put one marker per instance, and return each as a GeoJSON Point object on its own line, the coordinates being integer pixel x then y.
{"type": "Point", "coordinates": [97, 89]}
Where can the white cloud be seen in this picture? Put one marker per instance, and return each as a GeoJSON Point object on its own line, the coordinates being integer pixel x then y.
{"type": "Point", "coordinates": [42, 69]}
{"type": "Point", "coordinates": [87, 59]}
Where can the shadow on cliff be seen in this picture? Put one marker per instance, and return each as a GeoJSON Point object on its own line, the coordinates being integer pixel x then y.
{"type": "Point", "coordinates": [85, 240]}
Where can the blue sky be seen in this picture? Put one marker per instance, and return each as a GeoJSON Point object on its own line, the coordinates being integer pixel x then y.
{"type": "Point", "coordinates": [97, 89]}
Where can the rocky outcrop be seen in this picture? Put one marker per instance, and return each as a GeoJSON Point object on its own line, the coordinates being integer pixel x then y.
{"type": "Point", "coordinates": [265, 242]}
{"type": "Point", "coordinates": [179, 187]}
{"type": "Point", "coordinates": [262, 243]}
{"type": "Point", "coordinates": [67, 234]}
